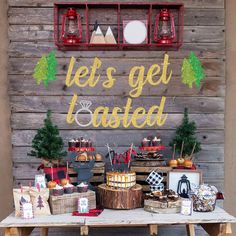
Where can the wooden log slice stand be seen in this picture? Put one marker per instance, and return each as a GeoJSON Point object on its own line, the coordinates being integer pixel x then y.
{"type": "Point", "coordinates": [120, 198]}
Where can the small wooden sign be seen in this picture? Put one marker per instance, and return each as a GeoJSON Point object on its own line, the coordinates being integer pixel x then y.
{"type": "Point", "coordinates": [27, 210]}
{"type": "Point", "coordinates": [83, 205]}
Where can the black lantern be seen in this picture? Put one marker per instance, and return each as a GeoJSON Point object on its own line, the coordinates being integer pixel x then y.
{"type": "Point", "coordinates": [184, 187]}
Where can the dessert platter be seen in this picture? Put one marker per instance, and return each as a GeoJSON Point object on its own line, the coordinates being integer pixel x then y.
{"type": "Point", "coordinates": [166, 201]}
{"type": "Point", "coordinates": [150, 149]}
{"type": "Point", "coordinates": [80, 144]}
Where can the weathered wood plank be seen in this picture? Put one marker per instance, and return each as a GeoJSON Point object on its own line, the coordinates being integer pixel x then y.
{"type": "Point", "coordinates": [25, 85]}
{"type": "Point", "coordinates": [187, 3]}
{"type": "Point", "coordinates": [213, 67]}
{"type": "Point", "coordinates": [209, 153]}
{"type": "Point", "coordinates": [60, 104]}
{"type": "Point", "coordinates": [192, 34]}
{"type": "Point", "coordinates": [37, 49]}
{"type": "Point", "coordinates": [34, 121]}
{"type": "Point", "coordinates": [116, 137]}
{"type": "Point", "coordinates": [45, 15]}
{"type": "Point", "coordinates": [211, 170]}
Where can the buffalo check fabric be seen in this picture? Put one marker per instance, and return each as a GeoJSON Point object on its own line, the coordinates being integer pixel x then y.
{"type": "Point", "coordinates": [154, 178]}
{"type": "Point", "coordinates": [155, 188]}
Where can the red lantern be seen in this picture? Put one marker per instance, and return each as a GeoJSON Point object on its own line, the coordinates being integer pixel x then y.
{"type": "Point", "coordinates": [164, 32]}
{"type": "Point", "coordinates": [71, 32]}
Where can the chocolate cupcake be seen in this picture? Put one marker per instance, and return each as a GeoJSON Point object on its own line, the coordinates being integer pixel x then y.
{"type": "Point", "coordinates": [156, 141]}
{"type": "Point", "coordinates": [82, 187]}
{"type": "Point", "coordinates": [78, 143]}
{"type": "Point", "coordinates": [69, 188]}
{"type": "Point", "coordinates": [150, 138]}
{"type": "Point", "coordinates": [58, 191]}
{"type": "Point", "coordinates": [90, 143]}
{"type": "Point", "coordinates": [71, 143]}
{"type": "Point", "coordinates": [83, 142]}
{"type": "Point", "coordinates": [145, 142]}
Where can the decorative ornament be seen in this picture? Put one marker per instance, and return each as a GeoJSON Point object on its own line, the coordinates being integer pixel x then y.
{"type": "Point", "coordinates": [85, 108]}
{"type": "Point", "coordinates": [122, 158]}
{"type": "Point", "coordinates": [83, 168]}
{"type": "Point", "coordinates": [71, 32]}
{"type": "Point", "coordinates": [135, 31]}
{"type": "Point", "coordinates": [52, 68]}
{"type": "Point", "coordinates": [188, 77]}
{"type": "Point", "coordinates": [164, 32]}
{"type": "Point", "coordinates": [94, 31]}
{"type": "Point", "coordinates": [192, 71]}
{"type": "Point", "coordinates": [109, 37]}
{"type": "Point", "coordinates": [40, 70]}
{"type": "Point", "coordinates": [154, 179]}
{"type": "Point", "coordinates": [98, 37]}
{"type": "Point", "coordinates": [184, 187]}
{"type": "Point", "coordinates": [197, 68]}
{"type": "Point", "coordinates": [46, 69]}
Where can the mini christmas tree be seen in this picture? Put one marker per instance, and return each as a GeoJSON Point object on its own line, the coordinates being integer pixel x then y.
{"type": "Point", "coordinates": [188, 77]}
{"type": "Point", "coordinates": [47, 143]}
{"type": "Point", "coordinates": [197, 68]}
{"type": "Point", "coordinates": [186, 133]}
{"type": "Point", "coordinates": [40, 70]}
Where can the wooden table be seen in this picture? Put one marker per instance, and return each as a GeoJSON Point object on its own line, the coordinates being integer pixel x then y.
{"type": "Point", "coordinates": [217, 223]}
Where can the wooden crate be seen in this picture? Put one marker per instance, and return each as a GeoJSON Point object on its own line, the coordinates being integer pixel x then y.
{"type": "Point", "coordinates": [143, 169]}
{"type": "Point", "coordinates": [98, 174]}
{"type": "Point", "coordinates": [68, 203]}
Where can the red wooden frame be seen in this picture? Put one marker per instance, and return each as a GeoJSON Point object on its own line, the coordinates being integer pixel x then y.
{"type": "Point", "coordinates": [150, 45]}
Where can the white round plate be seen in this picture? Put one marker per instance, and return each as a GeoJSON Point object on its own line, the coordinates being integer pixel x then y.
{"type": "Point", "coordinates": [135, 32]}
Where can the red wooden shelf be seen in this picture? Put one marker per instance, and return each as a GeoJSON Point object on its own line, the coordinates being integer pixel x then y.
{"type": "Point", "coordinates": [113, 14]}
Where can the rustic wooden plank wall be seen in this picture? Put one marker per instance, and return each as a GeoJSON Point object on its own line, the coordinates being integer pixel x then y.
{"type": "Point", "coordinates": [31, 35]}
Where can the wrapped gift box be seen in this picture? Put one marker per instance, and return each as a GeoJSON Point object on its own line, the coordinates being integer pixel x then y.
{"type": "Point", "coordinates": [68, 203]}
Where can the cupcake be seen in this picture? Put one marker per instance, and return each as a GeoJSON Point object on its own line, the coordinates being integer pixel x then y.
{"type": "Point", "coordinates": [150, 138]}
{"type": "Point", "coordinates": [82, 187]}
{"type": "Point", "coordinates": [145, 142]}
{"type": "Point", "coordinates": [58, 190]}
{"type": "Point", "coordinates": [156, 142]}
{"type": "Point", "coordinates": [83, 142]}
{"type": "Point", "coordinates": [71, 143]}
{"type": "Point", "coordinates": [78, 143]}
{"type": "Point", "coordinates": [69, 188]}
{"type": "Point", "coordinates": [90, 143]}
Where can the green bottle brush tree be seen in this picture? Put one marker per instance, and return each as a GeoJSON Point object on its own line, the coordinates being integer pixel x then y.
{"type": "Point", "coordinates": [47, 143]}
{"type": "Point", "coordinates": [185, 137]}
